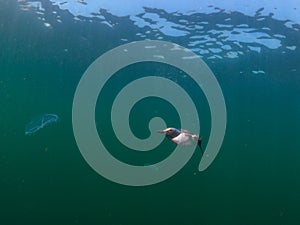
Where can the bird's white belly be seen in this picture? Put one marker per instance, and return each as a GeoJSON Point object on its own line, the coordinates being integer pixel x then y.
{"type": "Point", "coordinates": [182, 139]}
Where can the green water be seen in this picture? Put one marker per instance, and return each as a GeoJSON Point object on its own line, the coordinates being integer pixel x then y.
{"type": "Point", "coordinates": [45, 180]}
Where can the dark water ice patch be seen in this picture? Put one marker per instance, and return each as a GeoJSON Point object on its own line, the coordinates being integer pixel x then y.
{"type": "Point", "coordinates": [39, 122]}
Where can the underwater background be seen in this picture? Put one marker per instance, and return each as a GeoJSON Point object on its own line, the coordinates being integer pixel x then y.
{"type": "Point", "coordinates": [253, 48]}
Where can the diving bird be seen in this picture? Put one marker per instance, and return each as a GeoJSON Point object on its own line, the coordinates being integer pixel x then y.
{"type": "Point", "coordinates": [182, 137]}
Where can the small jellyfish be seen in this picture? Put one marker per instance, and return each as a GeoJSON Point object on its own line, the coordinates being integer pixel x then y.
{"type": "Point", "coordinates": [39, 122]}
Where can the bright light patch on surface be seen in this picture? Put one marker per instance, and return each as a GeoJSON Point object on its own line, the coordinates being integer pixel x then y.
{"type": "Point", "coordinates": [247, 36]}
{"type": "Point", "coordinates": [258, 72]}
{"type": "Point", "coordinates": [256, 49]}
{"type": "Point", "coordinates": [285, 10]}
{"type": "Point", "coordinates": [291, 47]}
{"type": "Point", "coordinates": [32, 5]}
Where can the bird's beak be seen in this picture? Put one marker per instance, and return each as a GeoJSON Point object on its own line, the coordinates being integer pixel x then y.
{"type": "Point", "coordinates": [161, 131]}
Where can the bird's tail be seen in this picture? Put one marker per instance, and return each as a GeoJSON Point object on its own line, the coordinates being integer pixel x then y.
{"type": "Point", "coordinates": [199, 142]}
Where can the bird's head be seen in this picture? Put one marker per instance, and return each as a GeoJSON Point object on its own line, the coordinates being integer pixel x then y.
{"type": "Point", "coordinates": [170, 132]}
